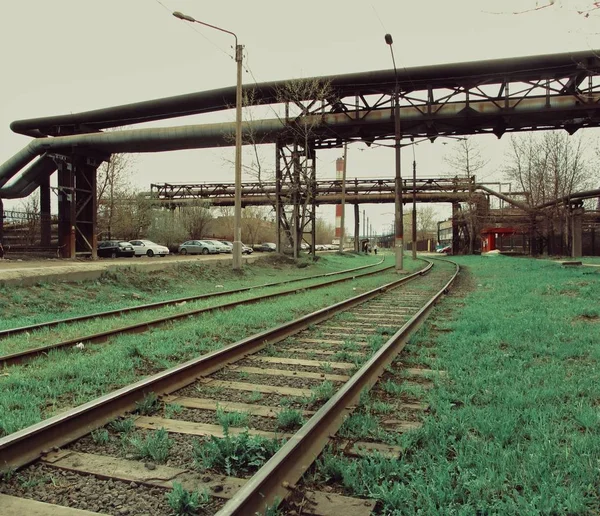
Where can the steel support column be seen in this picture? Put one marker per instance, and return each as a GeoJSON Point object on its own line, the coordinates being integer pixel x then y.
{"type": "Point", "coordinates": [279, 214]}
{"type": "Point", "coordinates": [357, 228]}
{"type": "Point", "coordinates": [45, 217]}
{"type": "Point", "coordinates": [456, 214]}
{"type": "Point", "coordinates": [77, 206]}
{"type": "Point", "coordinates": [295, 175]}
{"type": "Point", "coordinates": [66, 209]}
{"type": "Point", "coordinates": [576, 215]}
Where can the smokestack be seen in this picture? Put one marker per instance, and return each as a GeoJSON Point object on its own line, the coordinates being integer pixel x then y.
{"type": "Point", "coordinates": [339, 175]}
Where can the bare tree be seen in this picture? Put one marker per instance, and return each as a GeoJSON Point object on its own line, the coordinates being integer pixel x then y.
{"type": "Point", "coordinates": [196, 218]}
{"type": "Point", "coordinates": [31, 208]}
{"type": "Point", "coordinates": [549, 166]}
{"type": "Point", "coordinates": [427, 223]}
{"type": "Point", "coordinates": [302, 102]}
{"type": "Point", "coordinates": [253, 223]}
{"type": "Point", "coordinates": [132, 216]}
{"type": "Point", "coordinates": [166, 228]}
{"type": "Point", "coordinates": [113, 184]}
{"type": "Point", "coordinates": [466, 160]}
{"type": "Point", "coordinates": [325, 232]}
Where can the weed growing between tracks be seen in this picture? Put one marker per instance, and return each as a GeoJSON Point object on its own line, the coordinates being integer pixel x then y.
{"type": "Point", "coordinates": [234, 455]}
{"type": "Point", "coordinates": [514, 427]}
{"type": "Point", "coordinates": [67, 378]}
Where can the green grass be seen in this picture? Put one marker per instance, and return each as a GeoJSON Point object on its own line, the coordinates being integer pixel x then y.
{"type": "Point", "coordinates": [32, 392]}
{"type": "Point", "coordinates": [81, 329]}
{"type": "Point", "coordinates": [126, 286]}
{"type": "Point", "coordinates": [289, 419]}
{"type": "Point", "coordinates": [234, 455]}
{"type": "Point", "coordinates": [184, 502]}
{"type": "Point", "coordinates": [154, 445]}
{"type": "Point", "coordinates": [514, 428]}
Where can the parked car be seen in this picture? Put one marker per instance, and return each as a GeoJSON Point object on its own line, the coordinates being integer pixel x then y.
{"type": "Point", "coordinates": [198, 247]}
{"type": "Point", "coordinates": [267, 247]}
{"type": "Point", "coordinates": [444, 250]}
{"type": "Point", "coordinates": [246, 249]}
{"type": "Point", "coordinates": [114, 249]}
{"type": "Point", "coordinates": [228, 244]}
{"type": "Point", "coordinates": [148, 248]}
{"type": "Point", "coordinates": [219, 245]}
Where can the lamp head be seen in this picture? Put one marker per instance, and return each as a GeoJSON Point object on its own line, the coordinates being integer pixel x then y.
{"type": "Point", "coordinates": [388, 39]}
{"type": "Point", "coordinates": [182, 16]}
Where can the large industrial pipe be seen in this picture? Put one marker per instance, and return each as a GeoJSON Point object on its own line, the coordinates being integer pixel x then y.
{"type": "Point", "coordinates": [366, 83]}
{"type": "Point", "coordinates": [29, 179]}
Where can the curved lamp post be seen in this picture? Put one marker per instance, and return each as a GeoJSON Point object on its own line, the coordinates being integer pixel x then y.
{"type": "Point", "coordinates": [237, 220]}
{"type": "Point", "coordinates": [399, 222]}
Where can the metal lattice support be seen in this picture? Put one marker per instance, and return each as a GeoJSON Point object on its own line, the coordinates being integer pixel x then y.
{"type": "Point", "coordinates": [295, 172]}
{"type": "Point", "coordinates": [77, 205]}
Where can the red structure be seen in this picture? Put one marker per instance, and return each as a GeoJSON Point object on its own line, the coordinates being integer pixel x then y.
{"type": "Point", "coordinates": [503, 239]}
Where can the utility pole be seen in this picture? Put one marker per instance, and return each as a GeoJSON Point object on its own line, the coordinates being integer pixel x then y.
{"type": "Point", "coordinates": [399, 215]}
{"type": "Point", "coordinates": [414, 212]}
{"type": "Point", "coordinates": [343, 221]}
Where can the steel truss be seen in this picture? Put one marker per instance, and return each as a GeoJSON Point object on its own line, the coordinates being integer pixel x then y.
{"type": "Point", "coordinates": [295, 194]}
{"type": "Point", "coordinates": [77, 204]}
{"type": "Point", "coordinates": [325, 191]}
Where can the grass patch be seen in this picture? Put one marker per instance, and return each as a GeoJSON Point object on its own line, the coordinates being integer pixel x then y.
{"type": "Point", "coordinates": [184, 502]}
{"type": "Point", "coordinates": [514, 427]}
{"type": "Point", "coordinates": [235, 455]}
{"type": "Point", "coordinates": [289, 419]}
{"type": "Point", "coordinates": [154, 445]}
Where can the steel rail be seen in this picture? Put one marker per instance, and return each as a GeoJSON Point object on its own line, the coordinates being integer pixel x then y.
{"type": "Point", "coordinates": [23, 356]}
{"type": "Point", "coordinates": [159, 304]}
{"type": "Point", "coordinates": [27, 445]}
{"type": "Point", "coordinates": [278, 477]}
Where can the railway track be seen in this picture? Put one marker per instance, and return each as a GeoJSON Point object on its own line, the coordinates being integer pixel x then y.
{"type": "Point", "coordinates": [295, 383]}
{"type": "Point", "coordinates": [25, 355]}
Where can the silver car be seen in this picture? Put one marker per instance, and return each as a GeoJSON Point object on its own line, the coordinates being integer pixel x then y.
{"type": "Point", "coordinates": [198, 247]}
{"type": "Point", "coordinates": [220, 246]}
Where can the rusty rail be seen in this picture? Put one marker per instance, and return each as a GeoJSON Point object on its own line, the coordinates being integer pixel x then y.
{"type": "Point", "coordinates": [278, 477]}
{"type": "Point", "coordinates": [27, 445]}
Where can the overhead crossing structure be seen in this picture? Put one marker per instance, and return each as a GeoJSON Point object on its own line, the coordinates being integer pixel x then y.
{"type": "Point", "coordinates": [558, 91]}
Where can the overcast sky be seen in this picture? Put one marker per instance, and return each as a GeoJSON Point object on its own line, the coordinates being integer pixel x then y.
{"type": "Point", "coordinates": [66, 56]}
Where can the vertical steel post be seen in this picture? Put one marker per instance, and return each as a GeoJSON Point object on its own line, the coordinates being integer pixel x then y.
{"type": "Point", "coordinates": [45, 217]}
{"type": "Point", "coordinates": [237, 221]}
{"type": "Point", "coordinates": [399, 243]}
{"type": "Point", "coordinates": [414, 212]}
{"type": "Point", "coordinates": [356, 228]}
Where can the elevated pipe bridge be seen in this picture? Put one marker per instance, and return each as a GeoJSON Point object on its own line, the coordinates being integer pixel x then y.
{"type": "Point", "coordinates": [559, 91]}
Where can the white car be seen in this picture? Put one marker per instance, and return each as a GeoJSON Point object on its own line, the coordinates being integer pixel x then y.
{"type": "Point", "coordinates": [148, 248]}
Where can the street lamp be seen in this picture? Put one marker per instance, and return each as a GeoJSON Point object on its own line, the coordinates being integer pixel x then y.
{"type": "Point", "coordinates": [399, 223]}
{"type": "Point", "coordinates": [237, 212]}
